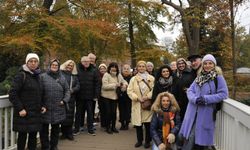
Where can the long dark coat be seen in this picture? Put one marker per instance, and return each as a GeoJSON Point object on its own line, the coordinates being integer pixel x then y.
{"type": "Point", "coordinates": [73, 91]}
{"type": "Point", "coordinates": [54, 91]}
{"type": "Point", "coordinates": [25, 93]}
{"type": "Point", "coordinates": [181, 85]}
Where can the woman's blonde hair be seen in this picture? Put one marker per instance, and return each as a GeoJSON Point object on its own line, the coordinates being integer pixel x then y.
{"type": "Point", "coordinates": [174, 107]}
{"type": "Point", "coordinates": [65, 64]}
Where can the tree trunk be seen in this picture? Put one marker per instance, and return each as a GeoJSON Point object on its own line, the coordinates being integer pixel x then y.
{"type": "Point", "coordinates": [131, 36]}
{"type": "Point", "coordinates": [233, 48]}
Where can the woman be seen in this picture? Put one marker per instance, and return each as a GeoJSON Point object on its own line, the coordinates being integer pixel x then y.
{"type": "Point", "coordinates": [150, 68]}
{"type": "Point", "coordinates": [26, 96]}
{"type": "Point", "coordinates": [166, 122]}
{"type": "Point", "coordinates": [163, 81]}
{"type": "Point", "coordinates": [204, 93]}
{"type": "Point", "coordinates": [102, 70]}
{"type": "Point", "coordinates": [124, 100]}
{"type": "Point", "coordinates": [140, 90]}
{"type": "Point", "coordinates": [55, 94]}
{"type": "Point", "coordinates": [112, 80]}
{"type": "Point", "coordinates": [69, 72]}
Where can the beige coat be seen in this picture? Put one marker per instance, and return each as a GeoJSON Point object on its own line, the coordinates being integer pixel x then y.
{"type": "Point", "coordinates": [138, 115]}
{"type": "Point", "coordinates": [109, 86]}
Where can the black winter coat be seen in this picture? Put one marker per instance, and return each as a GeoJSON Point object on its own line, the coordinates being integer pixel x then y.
{"type": "Point", "coordinates": [25, 93]}
{"type": "Point", "coordinates": [89, 83]}
{"type": "Point", "coordinates": [181, 85]}
{"type": "Point", "coordinates": [158, 88]}
{"type": "Point", "coordinates": [75, 86]}
{"type": "Point", "coordinates": [156, 127]}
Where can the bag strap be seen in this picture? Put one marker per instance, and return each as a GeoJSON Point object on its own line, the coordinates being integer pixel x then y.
{"type": "Point", "coordinates": [147, 84]}
{"type": "Point", "coordinates": [139, 88]}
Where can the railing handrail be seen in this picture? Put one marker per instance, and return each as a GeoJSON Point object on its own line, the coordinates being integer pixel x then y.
{"type": "Point", "coordinates": [239, 111]}
{"type": "Point", "coordinates": [4, 101]}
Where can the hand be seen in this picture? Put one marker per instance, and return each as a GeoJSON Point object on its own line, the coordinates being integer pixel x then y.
{"type": "Point", "coordinates": [162, 146]}
{"type": "Point", "coordinates": [61, 103]}
{"type": "Point", "coordinates": [171, 138]}
{"type": "Point", "coordinates": [144, 98]}
{"type": "Point", "coordinates": [95, 99]}
{"type": "Point", "coordinates": [140, 100]}
{"type": "Point", "coordinates": [22, 113]}
{"type": "Point", "coordinates": [43, 110]}
{"type": "Point", "coordinates": [200, 101]}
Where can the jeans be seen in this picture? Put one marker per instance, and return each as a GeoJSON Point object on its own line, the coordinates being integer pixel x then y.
{"type": "Point", "coordinates": [189, 144]}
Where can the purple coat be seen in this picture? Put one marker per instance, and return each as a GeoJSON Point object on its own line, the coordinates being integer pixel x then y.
{"type": "Point", "coordinates": [205, 125]}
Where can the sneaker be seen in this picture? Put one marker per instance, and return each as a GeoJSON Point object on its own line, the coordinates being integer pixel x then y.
{"type": "Point", "coordinates": [76, 132]}
{"type": "Point", "coordinates": [82, 129]}
{"type": "Point", "coordinates": [95, 124]}
{"type": "Point", "coordinates": [92, 133]}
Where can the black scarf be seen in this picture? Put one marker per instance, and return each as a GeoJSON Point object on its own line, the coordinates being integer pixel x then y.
{"type": "Point", "coordinates": [205, 77]}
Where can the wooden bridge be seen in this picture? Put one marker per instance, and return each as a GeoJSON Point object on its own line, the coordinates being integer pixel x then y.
{"type": "Point", "coordinates": [232, 131]}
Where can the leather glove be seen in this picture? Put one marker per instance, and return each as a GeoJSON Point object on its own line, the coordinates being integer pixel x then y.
{"type": "Point", "coordinates": [162, 146]}
{"type": "Point", "coordinates": [200, 101]}
{"type": "Point", "coordinates": [171, 138]}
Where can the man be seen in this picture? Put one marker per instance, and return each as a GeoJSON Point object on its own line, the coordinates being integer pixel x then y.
{"type": "Point", "coordinates": [183, 81]}
{"type": "Point", "coordinates": [89, 90]}
{"type": "Point", "coordinates": [195, 64]}
{"type": "Point", "coordinates": [92, 58]}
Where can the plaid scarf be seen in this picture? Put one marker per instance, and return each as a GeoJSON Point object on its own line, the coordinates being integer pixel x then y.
{"type": "Point", "coordinates": [205, 77]}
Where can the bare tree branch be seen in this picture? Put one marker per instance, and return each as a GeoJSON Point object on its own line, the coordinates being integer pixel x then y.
{"type": "Point", "coordinates": [178, 8]}
{"type": "Point", "coordinates": [180, 3]}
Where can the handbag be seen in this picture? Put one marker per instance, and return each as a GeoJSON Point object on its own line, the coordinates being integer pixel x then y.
{"type": "Point", "coordinates": [146, 105]}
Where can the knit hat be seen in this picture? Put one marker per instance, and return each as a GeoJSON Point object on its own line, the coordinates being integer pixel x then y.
{"type": "Point", "coordinates": [102, 65]}
{"type": "Point", "coordinates": [141, 62]}
{"type": "Point", "coordinates": [31, 55]}
{"type": "Point", "coordinates": [209, 57]}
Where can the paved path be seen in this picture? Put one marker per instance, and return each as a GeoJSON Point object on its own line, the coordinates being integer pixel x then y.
{"type": "Point", "coordinates": [124, 140]}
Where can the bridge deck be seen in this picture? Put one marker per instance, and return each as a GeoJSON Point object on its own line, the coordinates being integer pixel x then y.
{"type": "Point", "coordinates": [124, 140]}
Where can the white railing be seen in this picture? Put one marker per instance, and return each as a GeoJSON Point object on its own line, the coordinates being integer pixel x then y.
{"type": "Point", "coordinates": [7, 136]}
{"type": "Point", "coordinates": [233, 126]}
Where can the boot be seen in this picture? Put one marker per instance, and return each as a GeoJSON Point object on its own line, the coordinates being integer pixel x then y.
{"type": "Point", "coordinates": [122, 126]}
{"type": "Point", "coordinates": [126, 125]}
{"type": "Point", "coordinates": [108, 130]}
{"type": "Point", "coordinates": [114, 129]}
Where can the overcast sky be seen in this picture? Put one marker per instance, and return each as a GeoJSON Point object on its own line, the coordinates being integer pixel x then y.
{"type": "Point", "coordinates": [242, 16]}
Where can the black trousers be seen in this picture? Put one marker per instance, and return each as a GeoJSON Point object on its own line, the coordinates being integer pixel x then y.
{"type": "Point", "coordinates": [101, 103]}
{"type": "Point", "coordinates": [139, 132]}
{"type": "Point", "coordinates": [124, 105]}
{"type": "Point", "coordinates": [21, 140]}
{"type": "Point", "coordinates": [67, 130]}
{"type": "Point", "coordinates": [51, 144]}
{"type": "Point", "coordinates": [81, 107]}
{"type": "Point", "coordinates": [110, 107]}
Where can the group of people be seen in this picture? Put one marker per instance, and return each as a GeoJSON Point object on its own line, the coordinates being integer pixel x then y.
{"type": "Point", "coordinates": [175, 104]}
